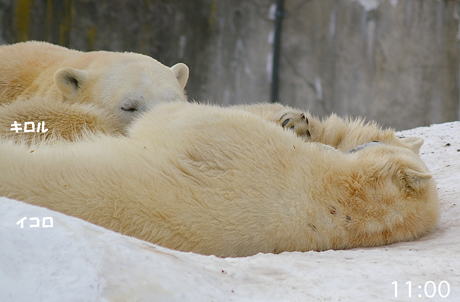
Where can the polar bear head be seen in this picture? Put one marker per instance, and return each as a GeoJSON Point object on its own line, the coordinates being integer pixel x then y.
{"type": "Point", "coordinates": [397, 187]}
{"type": "Point", "coordinates": [124, 84]}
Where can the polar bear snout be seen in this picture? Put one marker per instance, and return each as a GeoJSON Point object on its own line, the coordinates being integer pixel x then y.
{"type": "Point", "coordinates": [129, 105]}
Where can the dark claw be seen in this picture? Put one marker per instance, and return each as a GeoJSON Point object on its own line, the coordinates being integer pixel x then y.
{"type": "Point", "coordinates": [292, 128]}
{"type": "Point", "coordinates": [308, 133]}
{"type": "Point", "coordinates": [286, 122]}
{"type": "Point", "coordinates": [304, 117]}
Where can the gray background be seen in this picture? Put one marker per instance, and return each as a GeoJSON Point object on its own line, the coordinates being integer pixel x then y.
{"type": "Point", "coordinates": [395, 61]}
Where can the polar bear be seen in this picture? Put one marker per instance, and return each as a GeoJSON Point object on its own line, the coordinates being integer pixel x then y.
{"type": "Point", "coordinates": [229, 182]}
{"type": "Point", "coordinates": [60, 121]}
{"type": "Point", "coordinates": [118, 86]}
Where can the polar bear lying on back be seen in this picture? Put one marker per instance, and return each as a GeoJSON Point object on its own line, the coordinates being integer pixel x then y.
{"type": "Point", "coordinates": [229, 182]}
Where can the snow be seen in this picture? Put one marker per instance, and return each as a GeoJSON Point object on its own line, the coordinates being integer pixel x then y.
{"type": "Point", "coordinates": [78, 261]}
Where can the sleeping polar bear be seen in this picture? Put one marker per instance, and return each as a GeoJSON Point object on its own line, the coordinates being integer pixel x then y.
{"type": "Point", "coordinates": [73, 91]}
{"type": "Point", "coordinates": [230, 182]}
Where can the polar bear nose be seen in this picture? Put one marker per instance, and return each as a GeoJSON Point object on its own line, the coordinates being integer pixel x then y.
{"type": "Point", "coordinates": [130, 105]}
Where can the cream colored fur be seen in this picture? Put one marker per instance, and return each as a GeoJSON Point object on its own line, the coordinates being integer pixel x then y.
{"type": "Point", "coordinates": [119, 86]}
{"type": "Point", "coordinates": [64, 121]}
{"type": "Point", "coordinates": [343, 134]}
{"type": "Point", "coordinates": [230, 183]}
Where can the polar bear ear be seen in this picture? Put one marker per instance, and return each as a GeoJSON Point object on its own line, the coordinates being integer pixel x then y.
{"type": "Point", "coordinates": [414, 180]}
{"type": "Point", "coordinates": [69, 80]}
{"type": "Point", "coordinates": [181, 71]}
{"type": "Point", "coordinates": [414, 143]}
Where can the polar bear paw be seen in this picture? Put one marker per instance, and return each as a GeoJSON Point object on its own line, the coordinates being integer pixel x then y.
{"type": "Point", "coordinates": [297, 122]}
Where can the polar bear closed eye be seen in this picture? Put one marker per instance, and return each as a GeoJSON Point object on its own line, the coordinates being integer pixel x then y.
{"type": "Point", "coordinates": [366, 145]}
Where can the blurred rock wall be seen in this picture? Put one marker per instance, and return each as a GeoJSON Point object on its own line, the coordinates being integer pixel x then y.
{"type": "Point", "coordinates": [395, 61]}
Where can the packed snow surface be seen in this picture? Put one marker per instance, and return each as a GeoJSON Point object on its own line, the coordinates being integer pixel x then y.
{"type": "Point", "coordinates": [77, 261]}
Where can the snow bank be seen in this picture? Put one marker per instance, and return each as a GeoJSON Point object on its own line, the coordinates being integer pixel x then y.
{"type": "Point", "coordinates": [77, 261]}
